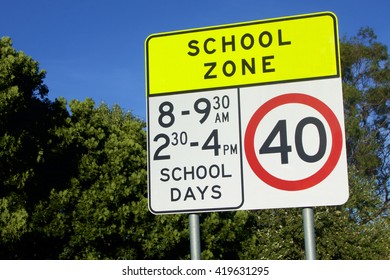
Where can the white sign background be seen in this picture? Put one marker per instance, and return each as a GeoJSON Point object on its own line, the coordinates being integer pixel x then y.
{"type": "Point", "coordinates": [188, 161]}
{"type": "Point", "coordinates": [333, 190]}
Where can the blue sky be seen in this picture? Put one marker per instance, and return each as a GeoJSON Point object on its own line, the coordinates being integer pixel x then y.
{"type": "Point", "coordinates": [95, 48]}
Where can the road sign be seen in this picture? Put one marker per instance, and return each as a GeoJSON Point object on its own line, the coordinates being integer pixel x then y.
{"type": "Point", "coordinates": [284, 149]}
{"type": "Point", "coordinates": [250, 53]}
{"type": "Point", "coordinates": [246, 116]}
{"type": "Point", "coordinates": [195, 153]}
{"type": "Point", "coordinates": [294, 144]}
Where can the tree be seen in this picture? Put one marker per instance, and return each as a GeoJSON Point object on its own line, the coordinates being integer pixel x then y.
{"type": "Point", "coordinates": [102, 213]}
{"type": "Point", "coordinates": [26, 119]}
{"type": "Point", "coordinates": [73, 183]}
{"type": "Point", "coordinates": [366, 77]}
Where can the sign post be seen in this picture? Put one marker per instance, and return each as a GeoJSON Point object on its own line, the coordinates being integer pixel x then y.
{"type": "Point", "coordinates": [194, 237]}
{"type": "Point", "coordinates": [308, 227]}
{"type": "Point", "coordinates": [246, 116]}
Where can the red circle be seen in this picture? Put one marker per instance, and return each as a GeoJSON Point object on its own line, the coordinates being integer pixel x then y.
{"type": "Point", "coordinates": [323, 172]}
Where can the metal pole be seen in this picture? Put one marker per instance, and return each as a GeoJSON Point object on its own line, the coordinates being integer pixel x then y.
{"type": "Point", "coordinates": [308, 226]}
{"type": "Point", "coordinates": [194, 237]}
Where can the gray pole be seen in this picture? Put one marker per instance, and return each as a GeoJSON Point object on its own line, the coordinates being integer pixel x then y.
{"type": "Point", "coordinates": [194, 237]}
{"type": "Point", "coordinates": [308, 226]}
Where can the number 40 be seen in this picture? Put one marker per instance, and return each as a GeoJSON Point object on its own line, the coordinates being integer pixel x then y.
{"type": "Point", "coordinates": [284, 148]}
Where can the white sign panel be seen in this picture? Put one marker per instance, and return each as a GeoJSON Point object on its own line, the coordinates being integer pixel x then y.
{"type": "Point", "coordinates": [294, 145]}
{"type": "Point", "coordinates": [196, 152]}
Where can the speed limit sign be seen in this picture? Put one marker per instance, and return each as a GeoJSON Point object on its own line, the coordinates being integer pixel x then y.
{"type": "Point", "coordinates": [283, 148]}
{"type": "Point", "coordinates": [246, 116]}
{"type": "Point", "coordinates": [294, 145]}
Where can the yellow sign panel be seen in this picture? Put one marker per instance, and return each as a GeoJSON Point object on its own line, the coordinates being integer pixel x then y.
{"type": "Point", "coordinates": [251, 53]}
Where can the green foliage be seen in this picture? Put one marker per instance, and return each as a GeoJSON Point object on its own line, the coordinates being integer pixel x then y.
{"type": "Point", "coordinates": [366, 94]}
{"type": "Point", "coordinates": [27, 148]}
{"type": "Point", "coordinates": [13, 219]}
{"type": "Point", "coordinates": [266, 234]}
{"type": "Point", "coordinates": [102, 214]}
{"type": "Point", "coordinates": [98, 208]}
{"type": "Point", "coordinates": [366, 70]}
{"type": "Point", "coordinates": [19, 74]}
